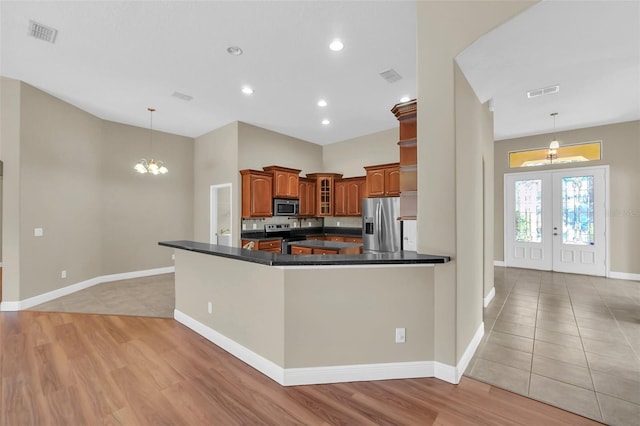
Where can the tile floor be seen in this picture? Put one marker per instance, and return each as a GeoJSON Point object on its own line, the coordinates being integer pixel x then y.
{"type": "Point", "coordinates": [152, 296]}
{"type": "Point", "coordinates": [572, 341]}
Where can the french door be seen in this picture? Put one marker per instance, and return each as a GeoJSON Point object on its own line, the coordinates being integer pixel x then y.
{"type": "Point", "coordinates": [556, 220]}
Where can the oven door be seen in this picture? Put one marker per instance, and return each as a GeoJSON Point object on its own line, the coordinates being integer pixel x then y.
{"type": "Point", "coordinates": [285, 207]}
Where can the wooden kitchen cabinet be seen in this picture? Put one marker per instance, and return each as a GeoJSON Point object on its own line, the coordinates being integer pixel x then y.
{"type": "Point", "coordinates": [357, 240]}
{"type": "Point", "coordinates": [324, 251]}
{"type": "Point", "coordinates": [340, 198]}
{"type": "Point", "coordinates": [349, 193]}
{"type": "Point", "coordinates": [406, 113]}
{"type": "Point", "coordinates": [324, 192]}
{"type": "Point", "coordinates": [301, 250]}
{"type": "Point", "coordinates": [272, 246]}
{"type": "Point", "coordinates": [256, 193]}
{"type": "Point", "coordinates": [334, 238]}
{"type": "Point", "coordinates": [285, 181]}
{"type": "Point", "coordinates": [383, 180]}
{"type": "Point", "coordinates": [307, 195]}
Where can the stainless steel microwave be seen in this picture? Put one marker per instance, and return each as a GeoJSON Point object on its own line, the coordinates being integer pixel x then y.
{"type": "Point", "coordinates": [284, 207]}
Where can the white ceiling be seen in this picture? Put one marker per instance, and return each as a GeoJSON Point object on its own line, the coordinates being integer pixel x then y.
{"type": "Point", "coordinates": [115, 59]}
{"type": "Point", "coordinates": [590, 48]}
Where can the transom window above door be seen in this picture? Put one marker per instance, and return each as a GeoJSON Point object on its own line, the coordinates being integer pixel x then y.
{"type": "Point", "coordinates": [576, 153]}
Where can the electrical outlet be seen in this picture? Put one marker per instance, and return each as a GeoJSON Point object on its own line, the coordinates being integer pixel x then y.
{"type": "Point", "coordinates": [210, 307]}
{"type": "Point", "coordinates": [38, 232]}
{"type": "Point", "coordinates": [401, 335]}
{"type": "Point", "coordinates": [63, 274]}
{"type": "Point", "coordinates": [338, 224]}
{"type": "Point", "coordinates": [244, 226]}
{"type": "Point", "coordinates": [173, 256]}
{"type": "Point", "coordinates": [255, 226]}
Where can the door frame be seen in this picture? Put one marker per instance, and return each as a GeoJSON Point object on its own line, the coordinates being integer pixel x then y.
{"type": "Point", "coordinates": [505, 221]}
{"type": "Point", "coordinates": [213, 211]}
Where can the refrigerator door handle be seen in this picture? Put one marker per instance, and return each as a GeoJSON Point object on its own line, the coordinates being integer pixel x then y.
{"type": "Point", "coordinates": [383, 236]}
{"type": "Point", "coordinates": [379, 224]}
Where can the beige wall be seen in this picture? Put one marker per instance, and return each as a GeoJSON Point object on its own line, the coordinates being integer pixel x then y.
{"type": "Point", "coordinates": [60, 148]}
{"type": "Point", "coordinates": [311, 317]}
{"type": "Point", "coordinates": [259, 147]}
{"type": "Point", "coordinates": [350, 156]}
{"type": "Point", "coordinates": [140, 210]}
{"type": "Point", "coordinates": [444, 30]}
{"type": "Point", "coordinates": [621, 151]}
{"type": "Point", "coordinates": [215, 162]}
{"type": "Point", "coordinates": [247, 300]}
{"type": "Point", "coordinates": [472, 119]}
{"type": "Point", "coordinates": [71, 174]}
{"type": "Point", "coordinates": [347, 316]}
{"type": "Point", "coordinates": [10, 156]}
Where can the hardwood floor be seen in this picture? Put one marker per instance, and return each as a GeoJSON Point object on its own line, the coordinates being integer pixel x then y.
{"type": "Point", "coordinates": [82, 369]}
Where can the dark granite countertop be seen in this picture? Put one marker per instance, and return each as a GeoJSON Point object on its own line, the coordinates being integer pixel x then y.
{"type": "Point", "coordinates": [276, 259]}
{"type": "Point", "coordinates": [329, 245]}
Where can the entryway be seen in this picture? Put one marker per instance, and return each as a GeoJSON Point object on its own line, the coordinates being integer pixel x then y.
{"type": "Point", "coordinates": [555, 220]}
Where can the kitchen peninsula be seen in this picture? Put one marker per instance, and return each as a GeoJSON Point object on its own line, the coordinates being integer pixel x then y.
{"type": "Point", "coordinates": [314, 318]}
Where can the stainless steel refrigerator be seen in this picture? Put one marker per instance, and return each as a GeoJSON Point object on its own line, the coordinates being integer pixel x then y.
{"type": "Point", "coordinates": [381, 229]}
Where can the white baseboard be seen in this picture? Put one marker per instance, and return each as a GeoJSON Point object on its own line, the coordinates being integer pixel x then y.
{"type": "Point", "coordinates": [64, 291]}
{"type": "Point", "coordinates": [452, 374]}
{"type": "Point", "coordinates": [309, 375]}
{"type": "Point", "coordinates": [498, 263]}
{"type": "Point", "coordinates": [489, 297]}
{"type": "Point", "coordinates": [624, 276]}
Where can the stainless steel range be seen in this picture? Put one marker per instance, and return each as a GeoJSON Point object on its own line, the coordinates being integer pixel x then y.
{"type": "Point", "coordinates": [283, 231]}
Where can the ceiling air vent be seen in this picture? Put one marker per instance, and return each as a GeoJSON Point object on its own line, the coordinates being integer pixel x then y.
{"type": "Point", "coordinates": [544, 91]}
{"type": "Point", "coordinates": [182, 96]}
{"type": "Point", "coordinates": [42, 32]}
{"type": "Point", "coordinates": [391, 75]}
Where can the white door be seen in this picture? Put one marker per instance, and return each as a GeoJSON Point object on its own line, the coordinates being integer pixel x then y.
{"type": "Point", "coordinates": [528, 201]}
{"type": "Point", "coordinates": [579, 235]}
{"type": "Point", "coordinates": [555, 220]}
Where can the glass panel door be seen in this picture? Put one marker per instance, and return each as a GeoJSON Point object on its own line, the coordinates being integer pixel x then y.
{"type": "Point", "coordinates": [555, 220]}
{"type": "Point", "coordinates": [527, 205]}
{"type": "Point", "coordinates": [579, 244]}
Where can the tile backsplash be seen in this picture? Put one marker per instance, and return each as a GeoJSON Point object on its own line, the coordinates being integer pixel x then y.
{"type": "Point", "coordinates": [312, 222]}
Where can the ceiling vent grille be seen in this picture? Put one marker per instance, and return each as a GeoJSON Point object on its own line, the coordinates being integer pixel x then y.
{"type": "Point", "coordinates": [391, 75]}
{"type": "Point", "coordinates": [42, 32]}
{"type": "Point", "coordinates": [544, 91]}
{"type": "Point", "coordinates": [182, 96]}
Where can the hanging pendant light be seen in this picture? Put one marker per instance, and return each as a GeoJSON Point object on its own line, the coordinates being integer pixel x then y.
{"type": "Point", "coordinates": [151, 166]}
{"type": "Point", "coordinates": [554, 145]}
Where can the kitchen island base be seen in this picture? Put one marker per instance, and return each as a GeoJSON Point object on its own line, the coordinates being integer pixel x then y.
{"type": "Point", "coordinates": [311, 324]}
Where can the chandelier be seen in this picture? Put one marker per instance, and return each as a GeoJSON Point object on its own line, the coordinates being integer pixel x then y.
{"type": "Point", "coordinates": [152, 166]}
{"type": "Point", "coordinates": [554, 145]}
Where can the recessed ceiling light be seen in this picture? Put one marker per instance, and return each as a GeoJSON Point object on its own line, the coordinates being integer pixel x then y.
{"type": "Point", "coordinates": [322, 103]}
{"type": "Point", "coordinates": [405, 99]}
{"type": "Point", "coordinates": [234, 50]}
{"type": "Point", "coordinates": [326, 121]}
{"type": "Point", "coordinates": [247, 90]}
{"type": "Point", "coordinates": [336, 45]}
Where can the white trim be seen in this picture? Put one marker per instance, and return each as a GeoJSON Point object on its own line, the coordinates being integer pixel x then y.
{"type": "Point", "coordinates": [489, 297]}
{"type": "Point", "coordinates": [64, 291]}
{"type": "Point", "coordinates": [452, 374]}
{"type": "Point", "coordinates": [310, 375]}
{"type": "Point", "coordinates": [260, 363]}
{"type": "Point", "coordinates": [624, 276]}
{"type": "Point", "coordinates": [499, 263]}
{"type": "Point", "coordinates": [358, 373]}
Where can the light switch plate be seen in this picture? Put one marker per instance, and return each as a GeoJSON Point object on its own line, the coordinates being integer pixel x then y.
{"type": "Point", "coordinates": [38, 232]}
